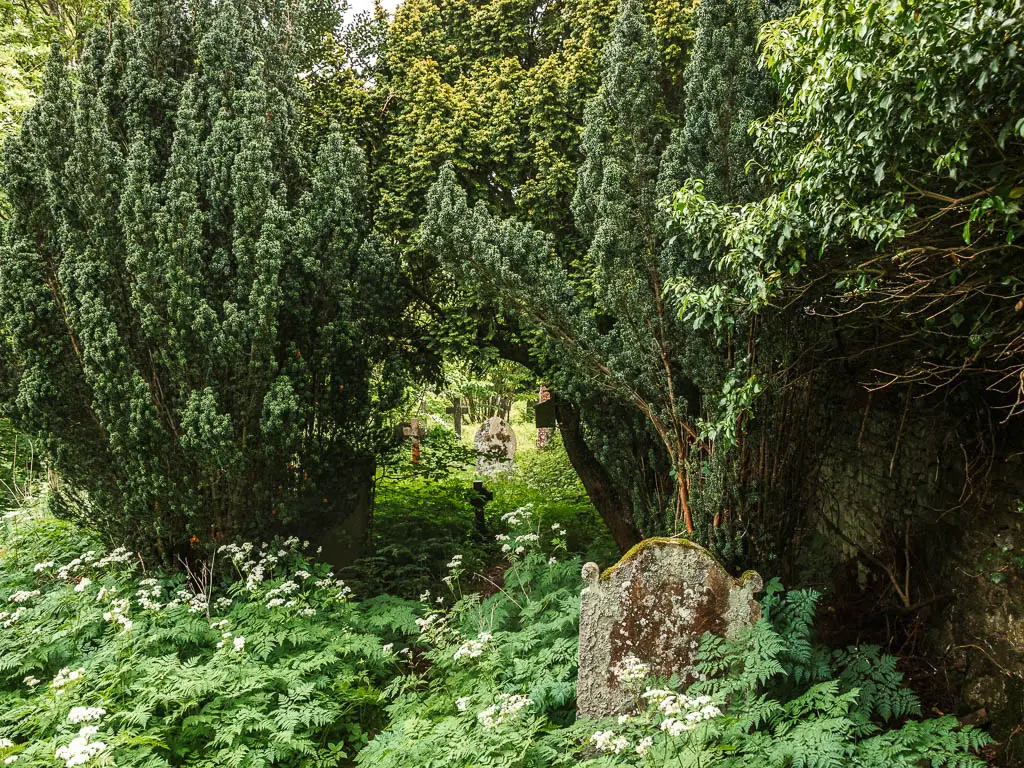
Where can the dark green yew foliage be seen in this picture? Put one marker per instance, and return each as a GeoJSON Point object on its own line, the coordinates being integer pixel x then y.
{"type": "Point", "coordinates": [605, 322]}
{"type": "Point", "coordinates": [198, 316]}
{"type": "Point", "coordinates": [726, 90]}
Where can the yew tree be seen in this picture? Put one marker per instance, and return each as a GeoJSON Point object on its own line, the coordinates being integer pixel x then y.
{"type": "Point", "coordinates": [605, 320]}
{"type": "Point", "coordinates": [199, 317]}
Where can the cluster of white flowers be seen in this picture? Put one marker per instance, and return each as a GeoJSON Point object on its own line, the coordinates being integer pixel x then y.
{"type": "Point", "coordinates": [119, 555]}
{"type": "Point", "coordinates": [607, 741]}
{"type": "Point", "coordinates": [236, 552]}
{"type": "Point", "coordinates": [150, 594]}
{"type": "Point", "coordinates": [116, 614]}
{"type": "Point", "coordinates": [7, 619]}
{"type": "Point", "coordinates": [254, 575]}
{"type": "Point", "coordinates": [6, 743]}
{"type": "Point", "coordinates": [473, 648]}
{"type": "Point", "coordinates": [40, 567]}
{"type": "Point", "coordinates": [82, 748]}
{"type": "Point", "coordinates": [197, 602]}
{"type": "Point", "coordinates": [518, 516]}
{"type": "Point", "coordinates": [66, 570]}
{"type": "Point", "coordinates": [238, 643]}
{"type": "Point", "coordinates": [507, 706]}
{"type": "Point", "coordinates": [276, 596]}
{"type": "Point", "coordinates": [31, 681]}
{"type": "Point", "coordinates": [630, 670]}
{"type": "Point", "coordinates": [428, 622]}
{"type": "Point", "coordinates": [255, 570]}
{"type": "Point", "coordinates": [462, 703]}
{"type": "Point", "coordinates": [65, 676]}
{"type": "Point", "coordinates": [223, 603]}
{"type": "Point", "coordinates": [83, 584]}
{"type": "Point", "coordinates": [455, 562]}
{"type": "Point", "coordinates": [516, 544]}
{"type": "Point", "coordinates": [643, 745]}
{"type": "Point", "coordinates": [682, 713]}
{"type": "Point", "coordinates": [23, 596]}
{"type": "Point", "coordinates": [79, 715]}
{"type": "Point", "coordinates": [302, 574]}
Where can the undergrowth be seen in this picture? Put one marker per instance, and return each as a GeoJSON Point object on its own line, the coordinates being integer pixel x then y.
{"type": "Point", "coordinates": [262, 657]}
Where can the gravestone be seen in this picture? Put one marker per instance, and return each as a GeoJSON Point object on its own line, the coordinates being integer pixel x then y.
{"type": "Point", "coordinates": [416, 431]}
{"type": "Point", "coordinates": [478, 499]}
{"type": "Point", "coordinates": [457, 411]}
{"type": "Point", "coordinates": [653, 606]}
{"type": "Point", "coordinates": [545, 417]}
{"type": "Point", "coordinates": [495, 443]}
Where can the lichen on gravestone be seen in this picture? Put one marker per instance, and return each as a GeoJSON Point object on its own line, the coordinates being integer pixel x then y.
{"type": "Point", "coordinates": [495, 443]}
{"type": "Point", "coordinates": [654, 606]}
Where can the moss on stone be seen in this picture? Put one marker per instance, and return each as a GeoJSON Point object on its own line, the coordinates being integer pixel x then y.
{"type": "Point", "coordinates": [656, 541]}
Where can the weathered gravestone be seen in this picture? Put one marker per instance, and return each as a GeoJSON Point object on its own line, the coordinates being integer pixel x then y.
{"type": "Point", "coordinates": [495, 443]}
{"type": "Point", "coordinates": [653, 606]}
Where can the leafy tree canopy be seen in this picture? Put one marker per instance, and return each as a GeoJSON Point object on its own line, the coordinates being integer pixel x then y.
{"type": "Point", "coordinates": [896, 163]}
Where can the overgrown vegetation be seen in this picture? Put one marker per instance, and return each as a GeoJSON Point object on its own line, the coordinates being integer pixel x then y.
{"type": "Point", "coordinates": [261, 656]}
{"type": "Point", "coordinates": [762, 255]}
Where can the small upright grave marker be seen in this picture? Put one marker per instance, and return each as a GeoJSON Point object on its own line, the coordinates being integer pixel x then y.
{"type": "Point", "coordinates": [416, 431]}
{"type": "Point", "coordinates": [478, 499]}
{"type": "Point", "coordinates": [457, 410]}
{"type": "Point", "coordinates": [544, 415]}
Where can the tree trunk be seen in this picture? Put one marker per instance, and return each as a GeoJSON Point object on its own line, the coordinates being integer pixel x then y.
{"type": "Point", "coordinates": [611, 500]}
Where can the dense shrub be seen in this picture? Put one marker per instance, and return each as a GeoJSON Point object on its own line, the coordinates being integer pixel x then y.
{"type": "Point", "coordinates": [201, 325]}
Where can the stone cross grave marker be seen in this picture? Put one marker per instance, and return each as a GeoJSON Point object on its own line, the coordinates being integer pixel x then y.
{"type": "Point", "coordinates": [415, 430]}
{"type": "Point", "coordinates": [457, 410]}
{"type": "Point", "coordinates": [653, 606]}
{"type": "Point", "coordinates": [495, 443]}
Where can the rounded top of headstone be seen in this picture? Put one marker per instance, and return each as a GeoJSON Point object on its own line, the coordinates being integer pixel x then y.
{"type": "Point", "coordinates": [590, 573]}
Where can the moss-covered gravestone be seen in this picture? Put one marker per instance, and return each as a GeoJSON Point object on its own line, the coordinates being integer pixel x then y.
{"type": "Point", "coordinates": [651, 609]}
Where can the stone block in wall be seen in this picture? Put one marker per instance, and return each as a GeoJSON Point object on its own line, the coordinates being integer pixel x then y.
{"type": "Point", "coordinates": [654, 605]}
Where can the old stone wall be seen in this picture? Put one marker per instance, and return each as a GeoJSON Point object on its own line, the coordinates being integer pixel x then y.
{"type": "Point", "coordinates": [912, 513]}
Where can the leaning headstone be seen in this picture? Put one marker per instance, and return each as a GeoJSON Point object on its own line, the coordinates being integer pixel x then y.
{"type": "Point", "coordinates": [648, 612]}
{"type": "Point", "coordinates": [495, 443]}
